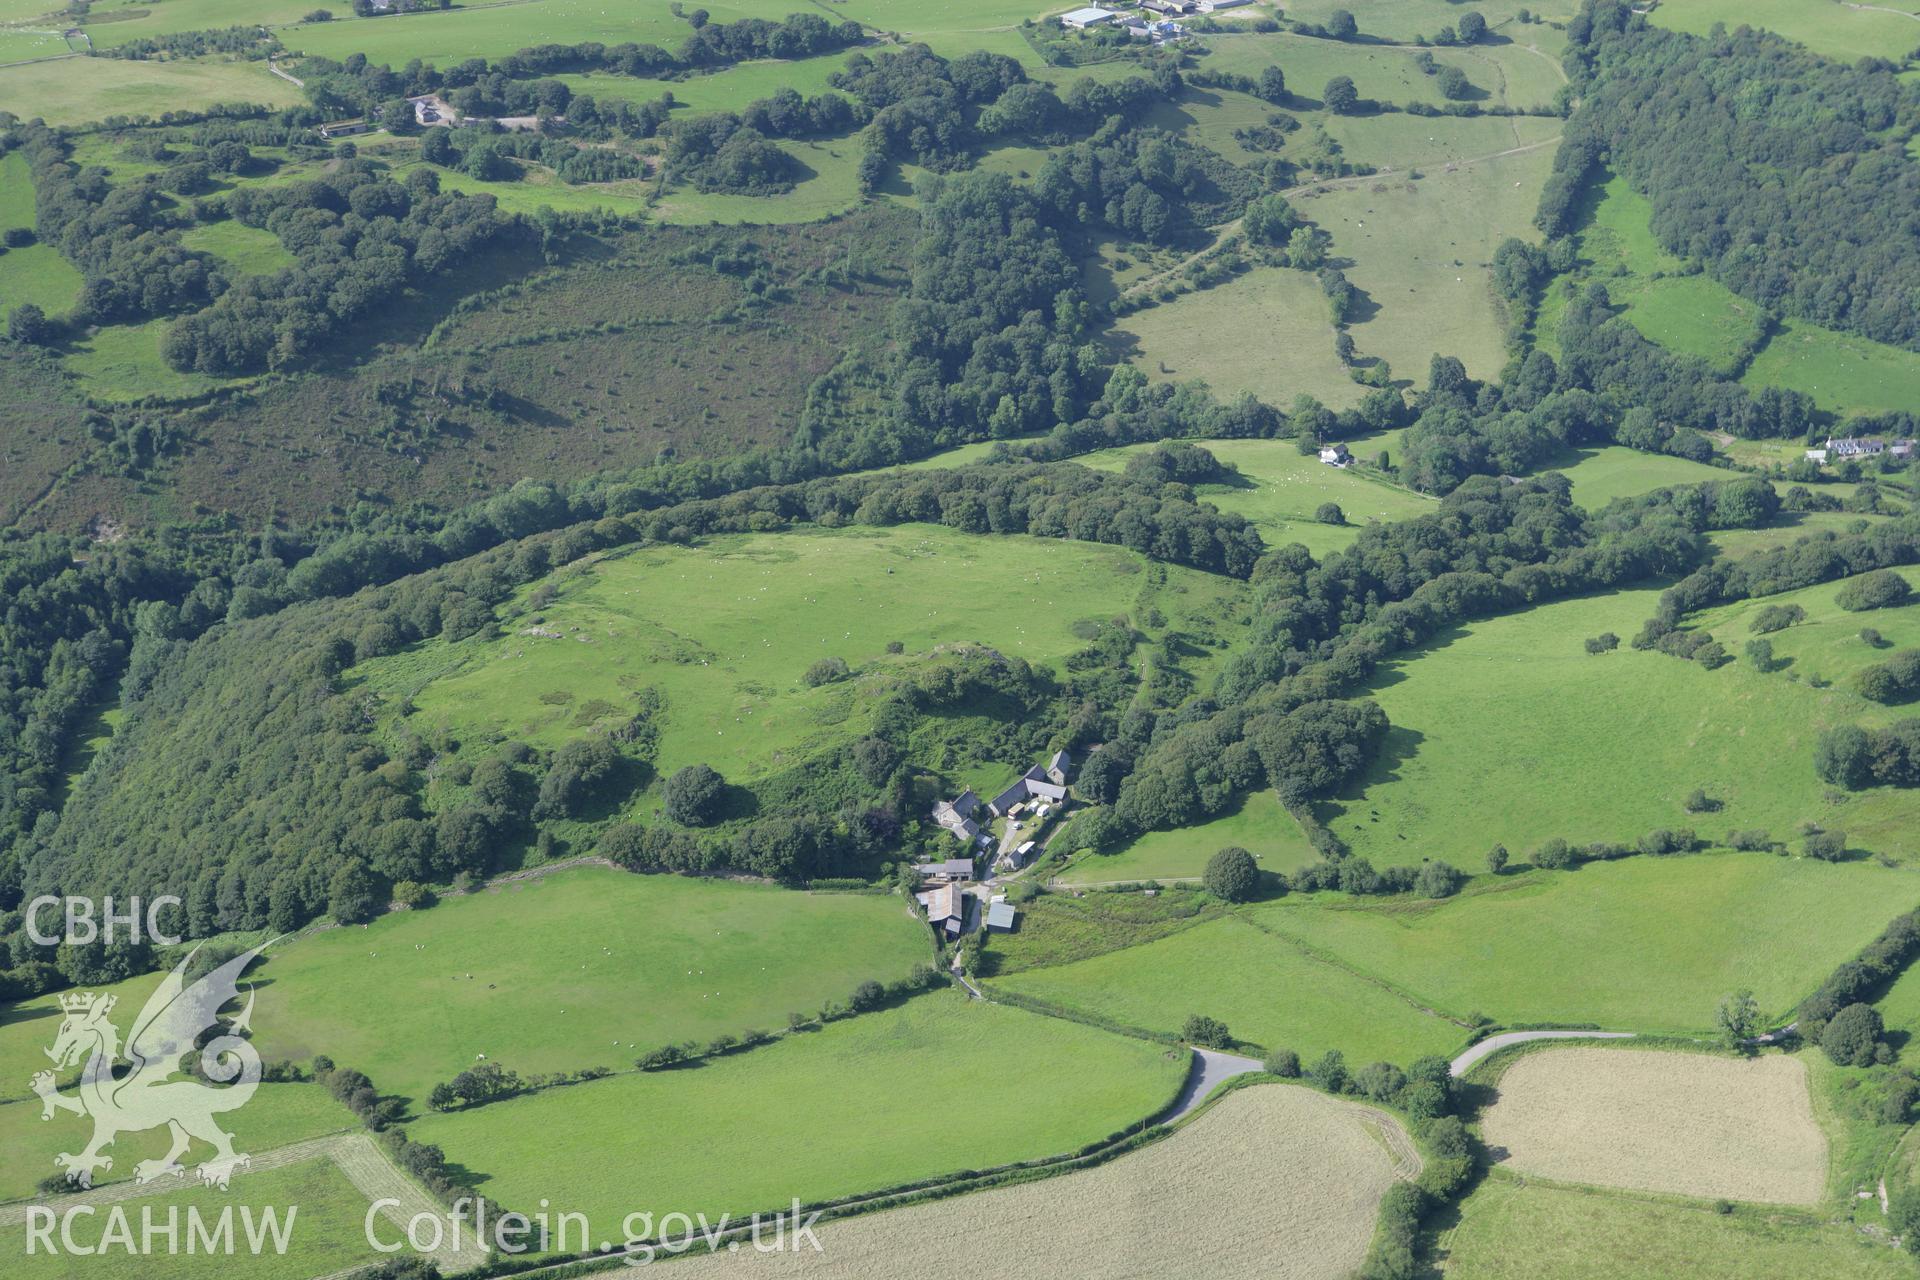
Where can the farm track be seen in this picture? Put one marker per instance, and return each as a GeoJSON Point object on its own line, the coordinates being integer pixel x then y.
{"type": "Point", "coordinates": [1493, 1044]}
{"type": "Point", "coordinates": [355, 1155]}
{"type": "Point", "coordinates": [1228, 230]}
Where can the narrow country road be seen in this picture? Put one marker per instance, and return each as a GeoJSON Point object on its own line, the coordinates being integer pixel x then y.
{"type": "Point", "coordinates": [1211, 1068]}
{"type": "Point", "coordinates": [1493, 1044]}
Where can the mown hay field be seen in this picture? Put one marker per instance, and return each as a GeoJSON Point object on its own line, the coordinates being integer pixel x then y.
{"type": "Point", "coordinates": [1513, 713]}
{"type": "Point", "coordinates": [1645, 944]}
{"type": "Point", "coordinates": [1275, 1181]}
{"type": "Point", "coordinates": [885, 1098]}
{"type": "Point", "coordinates": [1264, 987]}
{"type": "Point", "coordinates": [1683, 1123]}
{"type": "Point", "coordinates": [585, 967]}
{"type": "Point", "coordinates": [1843, 32]}
{"type": "Point", "coordinates": [74, 90]}
{"type": "Point", "coordinates": [1615, 471]}
{"type": "Point", "coordinates": [1512, 1231]}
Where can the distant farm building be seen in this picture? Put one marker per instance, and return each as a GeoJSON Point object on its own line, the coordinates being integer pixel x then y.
{"type": "Point", "coordinates": [1852, 449]}
{"type": "Point", "coordinates": [1081, 19]}
{"type": "Point", "coordinates": [952, 871]}
{"type": "Point", "coordinates": [999, 916]}
{"type": "Point", "coordinates": [1214, 6]}
{"type": "Point", "coordinates": [1336, 455]}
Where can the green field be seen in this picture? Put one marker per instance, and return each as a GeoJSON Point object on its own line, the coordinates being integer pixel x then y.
{"type": "Point", "coordinates": [1696, 315]}
{"type": "Point", "coordinates": [601, 966]}
{"type": "Point", "coordinates": [1615, 471]}
{"type": "Point", "coordinates": [123, 362]}
{"type": "Point", "coordinates": [36, 273]}
{"type": "Point", "coordinates": [1828, 644]}
{"type": "Point", "coordinates": [1843, 372]}
{"type": "Point", "coordinates": [1258, 825]}
{"type": "Point", "coordinates": [1430, 143]}
{"type": "Point", "coordinates": [276, 1116]}
{"type": "Point", "coordinates": [1263, 986]}
{"type": "Point", "coordinates": [1280, 489]}
{"type": "Point", "coordinates": [1644, 944]}
{"type": "Point", "coordinates": [848, 1108]}
{"type": "Point", "coordinates": [1408, 19]}
{"type": "Point", "coordinates": [124, 21]}
{"type": "Point", "coordinates": [248, 251]}
{"type": "Point", "coordinates": [1514, 713]}
{"type": "Point", "coordinates": [81, 89]}
{"type": "Point", "coordinates": [1264, 332]}
{"type": "Point", "coordinates": [1421, 254]}
{"type": "Point", "coordinates": [448, 37]}
{"type": "Point", "coordinates": [692, 622]}
{"type": "Point", "coordinates": [1514, 1231]}
{"type": "Point", "coordinates": [327, 1237]}
{"type": "Point", "coordinates": [1843, 32]}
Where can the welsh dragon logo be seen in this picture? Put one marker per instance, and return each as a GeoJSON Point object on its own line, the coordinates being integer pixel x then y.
{"type": "Point", "coordinates": [152, 1091]}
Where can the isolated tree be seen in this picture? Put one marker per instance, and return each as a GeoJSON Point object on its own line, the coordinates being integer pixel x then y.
{"type": "Point", "coordinates": [1472, 27]}
{"type": "Point", "coordinates": [1272, 85]}
{"type": "Point", "coordinates": [1852, 1035]}
{"type": "Point", "coordinates": [1340, 95]}
{"type": "Point", "coordinates": [825, 671]}
{"type": "Point", "coordinates": [1330, 513]}
{"type": "Point", "coordinates": [692, 795]}
{"type": "Point", "coordinates": [29, 323]}
{"type": "Point", "coordinates": [1738, 1019]}
{"type": "Point", "coordinates": [1232, 875]}
{"type": "Point", "coordinates": [1437, 880]}
{"type": "Point", "coordinates": [1876, 590]}
{"type": "Point", "coordinates": [1497, 859]}
{"type": "Point", "coordinates": [1827, 846]}
{"type": "Point", "coordinates": [1284, 1063]}
{"type": "Point", "coordinates": [1270, 219]}
{"type": "Point", "coordinates": [1341, 26]}
{"type": "Point", "coordinates": [1760, 655]}
{"type": "Point", "coordinates": [1306, 248]}
{"type": "Point", "coordinates": [1211, 1032]}
{"type": "Point", "coordinates": [1605, 642]}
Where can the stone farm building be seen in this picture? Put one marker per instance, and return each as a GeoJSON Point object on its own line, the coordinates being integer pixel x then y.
{"type": "Point", "coordinates": [946, 909]}
{"type": "Point", "coordinates": [957, 815]}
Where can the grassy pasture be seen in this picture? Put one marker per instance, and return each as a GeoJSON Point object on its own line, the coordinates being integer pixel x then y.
{"type": "Point", "coordinates": [1421, 253]}
{"type": "Point", "coordinates": [1501, 727]}
{"type": "Point", "coordinates": [249, 251]}
{"type": "Point", "coordinates": [1787, 529]}
{"type": "Point", "coordinates": [276, 1116]}
{"type": "Point", "coordinates": [1280, 489]}
{"type": "Point", "coordinates": [1644, 944]}
{"type": "Point", "coordinates": [1428, 143]}
{"type": "Point", "coordinates": [1264, 332]}
{"type": "Point", "coordinates": [123, 362]}
{"type": "Point", "coordinates": [36, 273]}
{"type": "Point", "coordinates": [1259, 825]}
{"type": "Point", "coordinates": [1406, 19]}
{"type": "Point", "coordinates": [1384, 73]}
{"type": "Point", "coordinates": [445, 37]}
{"type": "Point", "coordinates": [1518, 1231]}
{"type": "Point", "coordinates": [828, 1113]}
{"type": "Point", "coordinates": [693, 622]}
{"type": "Point", "coordinates": [82, 89]}
{"type": "Point", "coordinates": [728, 89]}
{"type": "Point", "coordinates": [1615, 471]}
{"type": "Point", "coordinates": [1828, 643]}
{"type": "Point", "coordinates": [1274, 1181]}
{"type": "Point", "coordinates": [327, 1237]}
{"type": "Point", "coordinates": [601, 967]}
{"type": "Point", "coordinates": [129, 20]}
{"type": "Point", "coordinates": [1681, 1123]}
{"type": "Point", "coordinates": [1840, 32]}
{"type": "Point", "coordinates": [1843, 372]}
{"type": "Point", "coordinates": [1263, 986]}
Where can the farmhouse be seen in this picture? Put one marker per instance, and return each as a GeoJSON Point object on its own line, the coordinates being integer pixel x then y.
{"type": "Point", "coordinates": [1853, 448]}
{"type": "Point", "coordinates": [957, 815]}
{"type": "Point", "coordinates": [946, 909]}
{"type": "Point", "coordinates": [1169, 7]}
{"type": "Point", "coordinates": [1057, 768]}
{"type": "Point", "coordinates": [1336, 455]}
{"type": "Point", "coordinates": [1214, 6]}
{"type": "Point", "coordinates": [1902, 449]}
{"type": "Point", "coordinates": [1081, 19]}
